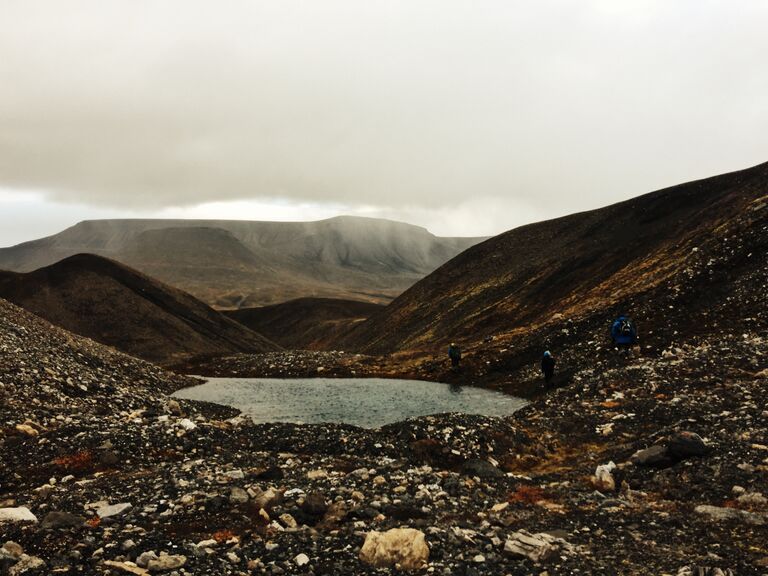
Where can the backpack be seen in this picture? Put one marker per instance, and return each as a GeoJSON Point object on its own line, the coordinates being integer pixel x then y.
{"type": "Point", "coordinates": [626, 328]}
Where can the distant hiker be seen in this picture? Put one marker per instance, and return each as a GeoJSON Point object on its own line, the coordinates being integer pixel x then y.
{"type": "Point", "coordinates": [624, 332]}
{"type": "Point", "coordinates": [454, 353]}
{"type": "Point", "coordinates": [548, 367]}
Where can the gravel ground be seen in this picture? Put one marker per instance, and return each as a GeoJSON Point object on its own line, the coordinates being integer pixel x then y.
{"type": "Point", "coordinates": [123, 480]}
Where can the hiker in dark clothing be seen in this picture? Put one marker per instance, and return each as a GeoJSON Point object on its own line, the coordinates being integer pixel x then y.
{"type": "Point", "coordinates": [624, 333]}
{"type": "Point", "coordinates": [454, 353]}
{"type": "Point", "coordinates": [548, 367]}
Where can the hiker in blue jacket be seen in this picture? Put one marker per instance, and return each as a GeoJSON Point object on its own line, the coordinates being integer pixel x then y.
{"type": "Point", "coordinates": [547, 367]}
{"type": "Point", "coordinates": [624, 333]}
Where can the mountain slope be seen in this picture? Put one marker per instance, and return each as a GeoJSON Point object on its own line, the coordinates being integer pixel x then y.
{"type": "Point", "coordinates": [306, 323]}
{"type": "Point", "coordinates": [594, 262]}
{"type": "Point", "coordinates": [112, 304]}
{"type": "Point", "coordinates": [235, 264]}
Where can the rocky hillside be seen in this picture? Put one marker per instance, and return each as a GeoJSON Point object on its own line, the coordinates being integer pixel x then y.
{"type": "Point", "coordinates": [115, 305]}
{"type": "Point", "coordinates": [680, 247]}
{"type": "Point", "coordinates": [232, 264]}
{"type": "Point", "coordinates": [305, 323]}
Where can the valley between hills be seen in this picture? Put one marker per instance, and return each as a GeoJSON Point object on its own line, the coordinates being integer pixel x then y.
{"type": "Point", "coordinates": [653, 462]}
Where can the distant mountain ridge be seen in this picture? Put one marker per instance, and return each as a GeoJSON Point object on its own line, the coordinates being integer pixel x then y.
{"type": "Point", "coordinates": [230, 263]}
{"type": "Point", "coordinates": [112, 304]}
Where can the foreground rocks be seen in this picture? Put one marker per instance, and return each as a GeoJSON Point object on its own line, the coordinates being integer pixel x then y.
{"type": "Point", "coordinates": [118, 479]}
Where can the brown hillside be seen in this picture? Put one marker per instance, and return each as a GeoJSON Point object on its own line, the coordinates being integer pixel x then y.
{"type": "Point", "coordinates": [305, 323]}
{"type": "Point", "coordinates": [114, 305]}
{"type": "Point", "coordinates": [592, 263]}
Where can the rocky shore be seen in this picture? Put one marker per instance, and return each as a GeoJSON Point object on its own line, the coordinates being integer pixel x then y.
{"type": "Point", "coordinates": [653, 464]}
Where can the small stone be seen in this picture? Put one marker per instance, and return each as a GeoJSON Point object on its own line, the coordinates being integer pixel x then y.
{"type": "Point", "coordinates": [125, 567]}
{"type": "Point", "coordinates": [27, 565]}
{"type": "Point", "coordinates": [314, 504]}
{"type": "Point", "coordinates": [113, 510]}
{"type": "Point", "coordinates": [27, 430]}
{"type": "Point", "coordinates": [481, 469]}
{"type": "Point", "coordinates": [144, 558]}
{"type": "Point", "coordinates": [301, 559]}
{"type": "Point", "coordinates": [174, 408]}
{"type": "Point", "coordinates": [267, 499]}
{"type": "Point", "coordinates": [238, 495]}
{"type": "Point", "coordinates": [235, 474]}
{"type": "Point", "coordinates": [13, 549]}
{"type": "Point", "coordinates": [603, 479]}
{"type": "Point", "coordinates": [166, 562]}
{"type": "Point", "coordinates": [108, 458]}
{"type": "Point", "coordinates": [537, 547]}
{"type": "Point", "coordinates": [720, 513]}
{"type": "Point", "coordinates": [187, 424]}
{"type": "Point", "coordinates": [755, 499]}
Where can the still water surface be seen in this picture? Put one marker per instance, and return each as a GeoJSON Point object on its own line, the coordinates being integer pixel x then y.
{"type": "Point", "coordinates": [366, 402]}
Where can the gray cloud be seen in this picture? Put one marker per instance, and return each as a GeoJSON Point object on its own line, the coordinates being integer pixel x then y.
{"type": "Point", "coordinates": [553, 106]}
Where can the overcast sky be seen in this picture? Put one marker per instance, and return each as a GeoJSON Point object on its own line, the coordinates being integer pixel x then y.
{"type": "Point", "coordinates": [468, 117]}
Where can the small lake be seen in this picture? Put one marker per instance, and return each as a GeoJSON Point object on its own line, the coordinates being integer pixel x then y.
{"type": "Point", "coordinates": [365, 402]}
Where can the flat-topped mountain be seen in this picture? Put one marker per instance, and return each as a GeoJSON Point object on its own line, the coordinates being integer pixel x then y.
{"type": "Point", "coordinates": [234, 264]}
{"type": "Point", "coordinates": [597, 263]}
{"type": "Point", "coordinates": [112, 304]}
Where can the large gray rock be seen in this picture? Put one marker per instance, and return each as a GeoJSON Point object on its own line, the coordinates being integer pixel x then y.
{"type": "Point", "coordinates": [112, 510]}
{"type": "Point", "coordinates": [403, 547]}
{"type": "Point", "coordinates": [721, 514]}
{"type": "Point", "coordinates": [166, 562]}
{"type": "Point", "coordinates": [683, 445]}
{"type": "Point", "coordinates": [14, 515]}
{"type": "Point", "coordinates": [54, 520]}
{"type": "Point", "coordinates": [481, 469]}
{"type": "Point", "coordinates": [653, 456]}
{"type": "Point", "coordinates": [537, 547]}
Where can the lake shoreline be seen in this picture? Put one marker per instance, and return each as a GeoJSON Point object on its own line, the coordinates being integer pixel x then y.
{"type": "Point", "coordinates": [366, 402]}
{"type": "Point", "coordinates": [477, 370]}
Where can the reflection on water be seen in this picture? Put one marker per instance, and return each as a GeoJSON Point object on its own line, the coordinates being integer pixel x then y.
{"type": "Point", "coordinates": [367, 402]}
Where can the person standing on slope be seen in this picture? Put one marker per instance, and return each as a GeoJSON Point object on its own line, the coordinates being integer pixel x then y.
{"type": "Point", "coordinates": [454, 353]}
{"type": "Point", "coordinates": [624, 333]}
{"type": "Point", "coordinates": [548, 368]}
